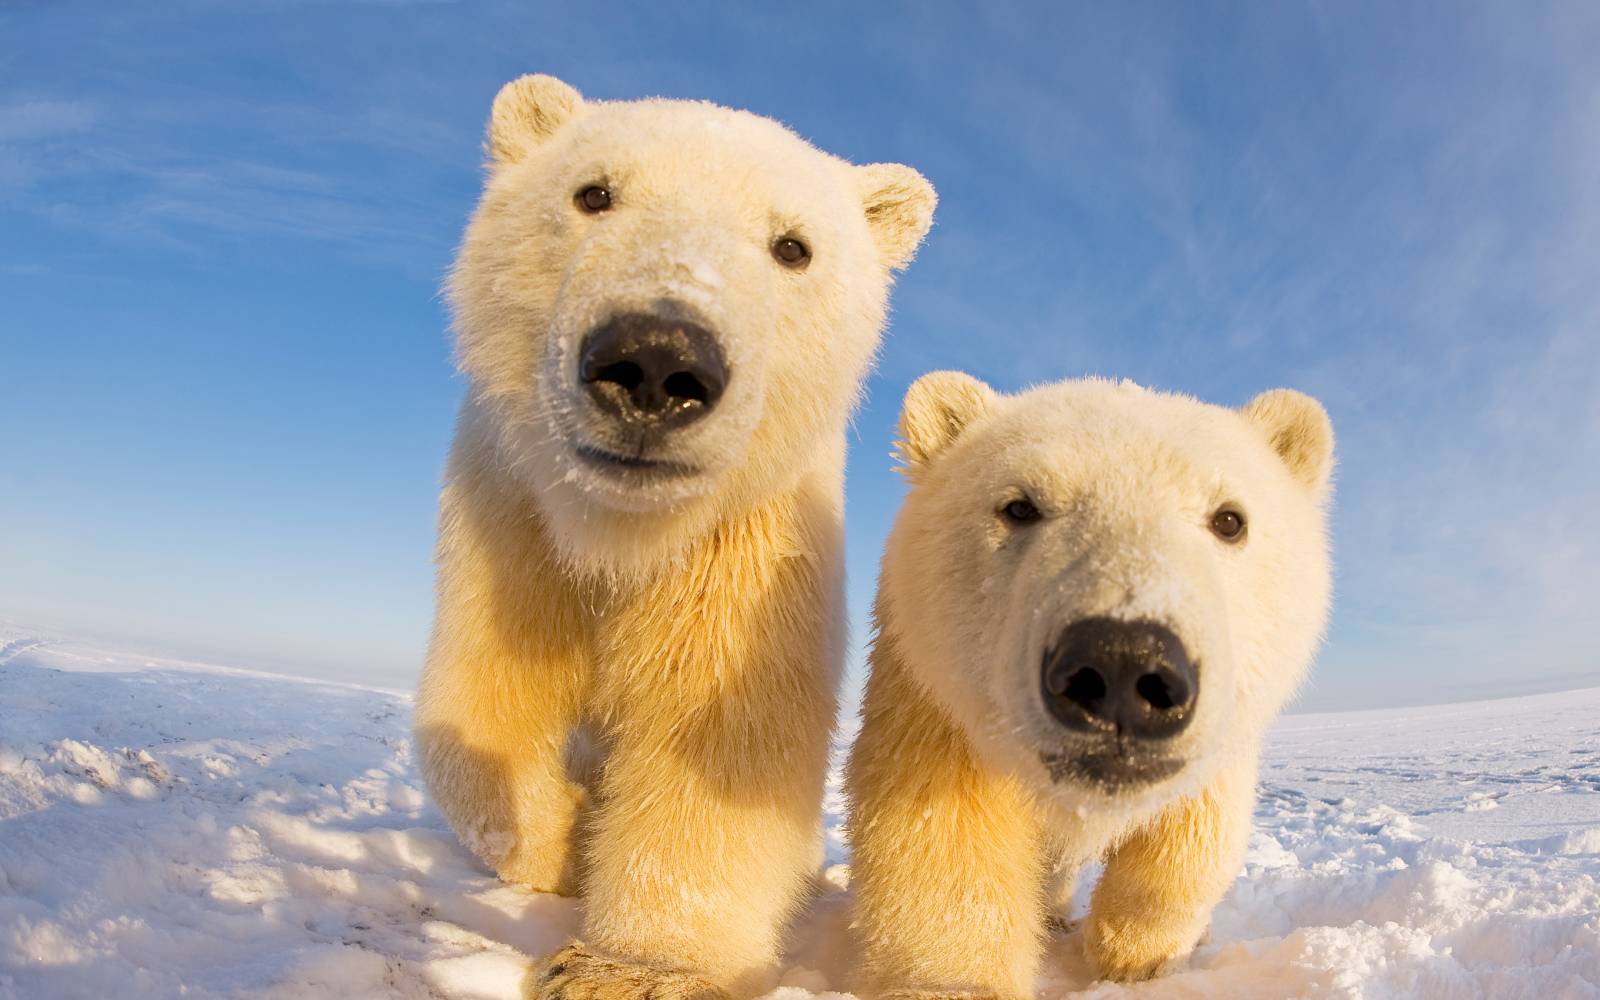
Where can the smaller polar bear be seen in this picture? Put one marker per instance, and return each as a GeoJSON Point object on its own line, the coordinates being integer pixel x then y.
{"type": "Point", "coordinates": [1094, 601]}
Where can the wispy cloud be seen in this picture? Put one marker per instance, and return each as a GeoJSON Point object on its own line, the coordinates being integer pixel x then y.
{"type": "Point", "coordinates": [128, 177]}
{"type": "Point", "coordinates": [33, 119]}
{"type": "Point", "coordinates": [1394, 210]}
{"type": "Point", "coordinates": [1407, 225]}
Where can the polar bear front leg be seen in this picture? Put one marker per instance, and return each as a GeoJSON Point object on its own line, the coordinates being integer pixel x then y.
{"type": "Point", "coordinates": [492, 748]}
{"type": "Point", "coordinates": [717, 695]}
{"type": "Point", "coordinates": [949, 862]}
{"type": "Point", "coordinates": [501, 690]}
{"type": "Point", "coordinates": [1161, 883]}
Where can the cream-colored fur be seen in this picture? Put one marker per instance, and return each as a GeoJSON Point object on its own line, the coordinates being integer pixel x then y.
{"type": "Point", "coordinates": [684, 629]}
{"type": "Point", "coordinates": [964, 836]}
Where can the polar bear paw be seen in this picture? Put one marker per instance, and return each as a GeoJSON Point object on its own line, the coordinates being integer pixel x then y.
{"type": "Point", "coordinates": [1129, 951]}
{"type": "Point", "coordinates": [575, 973]}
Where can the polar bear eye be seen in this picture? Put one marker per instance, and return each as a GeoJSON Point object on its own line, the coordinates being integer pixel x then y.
{"type": "Point", "coordinates": [790, 252]}
{"type": "Point", "coordinates": [1228, 525]}
{"type": "Point", "coordinates": [594, 198]}
{"type": "Point", "coordinates": [1020, 511]}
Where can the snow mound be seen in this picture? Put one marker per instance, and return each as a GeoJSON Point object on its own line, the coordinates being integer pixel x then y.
{"type": "Point", "coordinates": [171, 828]}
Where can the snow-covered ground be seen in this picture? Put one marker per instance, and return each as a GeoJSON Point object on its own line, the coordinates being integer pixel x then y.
{"type": "Point", "coordinates": [176, 829]}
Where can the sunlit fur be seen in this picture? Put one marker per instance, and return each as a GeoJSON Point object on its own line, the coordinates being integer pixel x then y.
{"type": "Point", "coordinates": [963, 840]}
{"type": "Point", "coordinates": [631, 683]}
{"type": "Point", "coordinates": [700, 194]}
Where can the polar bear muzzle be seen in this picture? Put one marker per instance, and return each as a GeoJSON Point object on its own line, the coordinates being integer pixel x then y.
{"type": "Point", "coordinates": [1120, 680]}
{"type": "Point", "coordinates": [652, 374]}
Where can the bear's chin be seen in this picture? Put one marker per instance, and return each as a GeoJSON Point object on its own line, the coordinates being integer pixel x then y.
{"type": "Point", "coordinates": [602, 541]}
{"type": "Point", "coordinates": [566, 473]}
{"type": "Point", "coordinates": [626, 488]}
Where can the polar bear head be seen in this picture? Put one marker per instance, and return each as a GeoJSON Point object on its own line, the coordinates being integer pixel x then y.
{"type": "Point", "coordinates": [1109, 588]}
{"type": "Point", "coordinates": [666, 308]}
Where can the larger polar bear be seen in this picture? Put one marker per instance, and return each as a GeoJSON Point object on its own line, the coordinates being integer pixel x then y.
{"type": "Point", "coordinates": [664, 310]}
{"type": "Point", "coordinates": [1093, 603]}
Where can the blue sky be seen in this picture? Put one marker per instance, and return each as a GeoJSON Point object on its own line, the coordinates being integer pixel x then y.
{"type": "Point", "coordinates": [227, 386]}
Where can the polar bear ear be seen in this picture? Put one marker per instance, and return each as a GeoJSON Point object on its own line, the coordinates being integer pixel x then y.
{"type": "Point", "coordinates": [1300, 432]}
{"type": "Point", "coordinates": [899, 203]}
{"type": "Point", "coordinates": [527, 111]}
{"type": "Point", "coordinates": [938, 407]}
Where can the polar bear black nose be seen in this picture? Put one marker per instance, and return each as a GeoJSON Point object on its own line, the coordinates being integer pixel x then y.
{"type": "Point", "coordinates": [653, 371]}
{"type": "Point", "coordinates": [1131, 679]}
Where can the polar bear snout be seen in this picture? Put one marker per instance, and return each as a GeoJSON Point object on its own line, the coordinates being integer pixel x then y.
{"type": "Point", "coordinates": [652, 374]}
{"type": "Point", "coordinates": [1123, 680]}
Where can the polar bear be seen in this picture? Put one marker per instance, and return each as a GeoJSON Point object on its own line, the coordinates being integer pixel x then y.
{"type": "Point", "coordinates": [664, 311]}
{"type": "Point", "coordinates": [1094, 601]}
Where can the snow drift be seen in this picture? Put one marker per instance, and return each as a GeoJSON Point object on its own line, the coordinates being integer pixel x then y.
{"type": "Point", "coordinates": [173, 828]}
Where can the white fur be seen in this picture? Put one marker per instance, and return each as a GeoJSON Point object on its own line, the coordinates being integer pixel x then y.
{"type": "Point", "coordinates": [700, 194]}
{"type": "Point", "coordinates": [690, 623]}
{"type": "Point", "coordinates": [963, 835]}
{"type": "Point", "coordinates": [1127, 479]}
